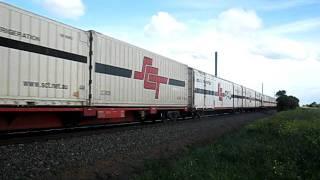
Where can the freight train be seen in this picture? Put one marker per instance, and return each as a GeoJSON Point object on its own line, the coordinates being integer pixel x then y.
{"type": "Point", "coordinates": [54, 75]}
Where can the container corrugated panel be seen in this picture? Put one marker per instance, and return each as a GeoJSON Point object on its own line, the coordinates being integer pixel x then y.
{"type": "Point", "coordinates": [209, 98]}
{"type": "Point", "coordinates": [250, 98]}
{"type": "Point", "coordinates": [270, 101]}
{"type": "Point", "coordinates": [258, 99]}
{"type": "Point", "coordinates": [223, 95]}
{"type": "Point", "coordinates": [203, 90]}
{"type": "Point", "coordinates": [125, 75]}
{"type": "Point", "coordinates": [265, 101]}
{"type": "Point", "coordinates": [244, 96]}
{"type": "Point", "coordinates": [238, 100]}
{"type": "Point", "coordinates": [190, 87]}
{"type": "Point", "coordinates": [43, 62]}
{"type": "Point", "coordinates": [199, 89]}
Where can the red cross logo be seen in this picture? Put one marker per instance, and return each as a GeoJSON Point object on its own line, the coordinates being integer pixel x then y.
{"type": "Point", "coordinates": [150, 76]}
{"type": "Point", "coordinates": [220, 93]}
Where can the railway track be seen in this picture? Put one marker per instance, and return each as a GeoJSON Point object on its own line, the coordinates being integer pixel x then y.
{"type": "Point", "coordinates": [30, 136]}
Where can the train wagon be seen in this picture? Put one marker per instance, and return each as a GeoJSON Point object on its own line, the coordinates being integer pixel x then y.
{"type": "Point", "coordinates": [44, 70]}
{"type": "Point", "coordinates": [135, 82]}
{"type": "Point", "coordinates": [211, 93]}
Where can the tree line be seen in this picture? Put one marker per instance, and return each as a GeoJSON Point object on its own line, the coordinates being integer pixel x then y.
{"type": "Point", "coordinates": [314, 104]}
{"type": "Point", "coordinates": [285, 102]}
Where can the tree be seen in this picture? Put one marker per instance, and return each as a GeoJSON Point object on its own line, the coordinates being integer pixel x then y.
{"type": "Point", "coordinates": [314, 104]}
{"type": "Point", "coordinates": [285, 102]}
{"type": "Point", "coordinates": [281, 93]}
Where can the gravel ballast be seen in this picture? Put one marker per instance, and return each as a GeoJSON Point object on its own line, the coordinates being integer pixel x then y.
{"type": "Point", "coordinates": [113, 154]}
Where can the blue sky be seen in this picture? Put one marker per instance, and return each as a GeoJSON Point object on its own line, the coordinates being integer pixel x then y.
{"type": "Point", "coordinates": [126, 12]}
{"type": "Point", "coordinates": [270, 41]}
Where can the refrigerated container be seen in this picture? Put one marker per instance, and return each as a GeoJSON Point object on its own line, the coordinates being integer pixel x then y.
{"type": "Point", "coordinates": [126, 75]}
{"type": "Point", "coordinates": [43, 62]}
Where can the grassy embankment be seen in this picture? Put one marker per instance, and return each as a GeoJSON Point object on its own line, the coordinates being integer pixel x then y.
{"type": "Point", "coordinates": [285, 146]}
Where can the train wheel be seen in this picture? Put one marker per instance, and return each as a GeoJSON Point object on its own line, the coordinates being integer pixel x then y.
{"type": "Point", "coordinates": [70, 119]}
{"type": "Point", "coordinates": [173, 115]}
{"type": "Point", "coordinates": [163, 116]}
{"type": "Point", "coordinates": [196, 115]}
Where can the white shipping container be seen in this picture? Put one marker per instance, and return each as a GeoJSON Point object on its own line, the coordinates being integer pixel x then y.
{"type": "Point", "coordinates": [203, 90]}
{"type": "Point", "coordinates": [43, 62]}
{"type": "Point", "coordinates": [126, 75]}
{"type": "Point", "coordinates": [211, 92]}
{"type": "Point", "coordinates": [223, 96]}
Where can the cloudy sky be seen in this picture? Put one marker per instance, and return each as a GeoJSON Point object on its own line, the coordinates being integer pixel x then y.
{"type": "Point", "coordinates": [276, 42]}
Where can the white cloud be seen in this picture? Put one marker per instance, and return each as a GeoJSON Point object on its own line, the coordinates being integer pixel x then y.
{"type": "Point", "coordinates": [280, 48]}
{"type": "Point", "coordinates": [296, 27]}
{"type": "Point", "coordinates": [238, 20]}
{"type": "Point", "coordinates": [163, 24]}
{"type": "Point", "coordinates": [72, 9]}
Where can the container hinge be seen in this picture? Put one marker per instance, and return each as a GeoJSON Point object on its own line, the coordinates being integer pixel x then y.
{"type": "Point", "coordinates": [90, 53]}
{"type": "Point", "coordinates": [90, 67]}
{"type": "Point", "coordinates": [90, 96]}
{"type": "Point", "coordinates": [90, 81]}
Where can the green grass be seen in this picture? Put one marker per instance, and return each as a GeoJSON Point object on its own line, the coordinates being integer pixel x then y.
{"type": "Point", "coordinates": [285, 146]}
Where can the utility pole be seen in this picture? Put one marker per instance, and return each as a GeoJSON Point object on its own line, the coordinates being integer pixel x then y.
{"type": "Point", "coordinates": [262, 95]}
{"type": "Point", "coordinates": [216, 63]}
